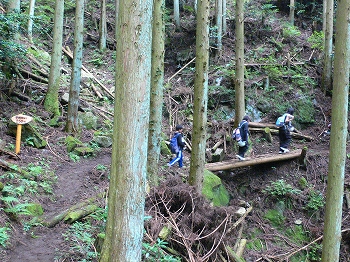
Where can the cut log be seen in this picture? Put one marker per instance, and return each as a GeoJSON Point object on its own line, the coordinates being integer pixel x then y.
{"type": "Point", "coordinates": [263, 159]}
{"type": "Point", "coordinates": [54, 220]}
{"type": "Point", "coordinates": [79, 213]}
{"type": "Point", "coordinates": [275, 131]}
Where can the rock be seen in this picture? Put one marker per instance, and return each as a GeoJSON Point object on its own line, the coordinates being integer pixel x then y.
{"type": "Point", "coordinates": [103, 141]}
{"type": "Point", "coordinates": [218, 155]}
{"type": "Point", "coordinates": [241, 211]}
{"type": "Point", "coordinates": [214, 190]}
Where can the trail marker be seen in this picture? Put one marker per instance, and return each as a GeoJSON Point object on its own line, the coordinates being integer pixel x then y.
{"type": "Point", "coordinates": [20, 120]}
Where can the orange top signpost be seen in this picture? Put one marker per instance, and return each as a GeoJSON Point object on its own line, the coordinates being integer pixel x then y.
{"type": "Point", "coordinates": [20, 120]}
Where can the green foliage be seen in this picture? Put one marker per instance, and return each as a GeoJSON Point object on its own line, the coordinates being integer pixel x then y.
{"type": "Point", "coordinates": [101, 167]}
{"type": "Point", "coordinates": [297, 234]}
{"type": "Point", "coordinates": [290, 31]}
{"type": "Point", "coordinates": [305, 110]}
{"type": "Point", "coordinates": [275, 217]}
{"type": "Point", "coordinates": [315, 200]}
{"type": "Point", "coordinates": [74, 157]}
{"type": "Point", "coordinates": [11, 52]}
{"type": "Point", "coordinates": [4, 237]}
{"type": "Point", "coordinates": [316, 40]}
{"type": "Point", "coordinates": [81, 240]}
{"type": "Point", "coordinates": [280, 189]}
{"type": "Point", "coordinates": [255, 243]}
{"type": "Point", "coordinates": [303, 183]}
{"type": "Point", "coordinates": [314, 252]}
{"type": "Point", "coordinates": [156, 253]}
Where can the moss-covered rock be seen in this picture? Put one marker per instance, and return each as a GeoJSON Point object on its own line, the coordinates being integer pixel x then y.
{"type": "Point", "coordinates": [72, 143]}
{"type": "Point", "coordinates": [83, 151]}
{"type": "Point", "coordinates": [30, 134]}
{"type": "Point", "coordinates": [214, 190]}
{"type": "Point", "coordinates": [164, 149]}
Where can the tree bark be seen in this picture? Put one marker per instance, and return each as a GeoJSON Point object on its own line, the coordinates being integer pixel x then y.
{"type": "Point", "coordinates": [328, 48]}
{"type": "Point", "coordinates": [156, 99]}
{"type": "Point", "coordinates": [124, 229]}
{"type": "Point", "coordinates": [338, 140]}
{"type": "Point", "coordinates": [199, 133]}
{"type": "Point", "coordinates": [51, 103]}
{"type": "Point", "coordinates": [103, 26]}
{"type": "Point", "coordinates": [239, 72]}
{"type": "Point", "coordinates": [72, 124]}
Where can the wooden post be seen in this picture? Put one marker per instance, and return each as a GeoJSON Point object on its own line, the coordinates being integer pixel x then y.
{"type": "Point", "coordinates": [20, 120]}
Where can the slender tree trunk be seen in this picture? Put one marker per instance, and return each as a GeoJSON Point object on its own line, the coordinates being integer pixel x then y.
{"type": "Point", "coordinates": [337, 151]}
{"type": "Point", "coordinates": [324, 16]}
{"type": "Point", "coordinates": [224, 14]}
{"type": "Point", "coordinates": [74, 92]}
{"type": "Point", "coordinates": [177, 14]}
{"type": "Point", "coordinates": [219, 26]}
{"type": "Point", "coordinates": [124, 231]}
{"type": "Point", "coordinates": [30, 19]}
{"type": "Point", "coordinates": [157, 79]}
{"type": "Point", "coordinates": [239, 74]}
{"type": "Point", "coordinates": [200, 96]}
{"type": "Point", "coordinates": [103, 26]}
{"type": "Point", "coordinates": [291, 11]}
{"type": "Point", "coordinates": [51, 103]}
{"type": "Point", "coordinates": [328, 49]}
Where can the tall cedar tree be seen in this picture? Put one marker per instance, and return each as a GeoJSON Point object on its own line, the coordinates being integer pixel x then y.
{"type": "Point", "coordinates": [157, 79]}
{"type": "Point", "coordinates": [51, 103]}
{"type": "Point", "coordinates": [337, 151]}
{"type": "Point", "coordinates": [239, 74]}
{"type": "Point", "coordinates": [74, 91]}
{"type": "Point", "coordinates": [127, 188]}
{"type": "Point", "coordinates": [199, 132]}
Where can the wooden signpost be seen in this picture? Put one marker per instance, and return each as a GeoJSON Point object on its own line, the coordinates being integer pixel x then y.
{"type": "Point", "coordinates": [20, 120]}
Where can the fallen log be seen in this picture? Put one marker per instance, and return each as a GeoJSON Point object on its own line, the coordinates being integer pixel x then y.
{"type": "Point", "coordinates": [235, 163]}
{"type": "Point", "coordinates": [79, 213]}
{"type": "Point", "coordinates": [275, 131]}
{"type": "Point", "coordinates": [54, 220]}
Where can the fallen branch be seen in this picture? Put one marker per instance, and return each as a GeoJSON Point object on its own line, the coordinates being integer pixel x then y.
{"type": "Point", "coordinates": [178, 72]}
{"type": "Point", "coordinates": [34, 76]}
{"type": "Point", "coordinates": [14, 168]}
{"type": "Point", "coordinates": [69, 53]}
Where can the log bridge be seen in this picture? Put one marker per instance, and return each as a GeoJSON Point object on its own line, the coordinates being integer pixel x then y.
{"type": "Point", "coordinates": [258, 160]}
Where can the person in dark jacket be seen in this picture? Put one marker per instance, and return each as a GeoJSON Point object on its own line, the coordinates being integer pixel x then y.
{"type": "Point", "coordinates": [284, 131]}
{"type": "Point", "coordinates": [181, 144]}
{"type": "Point", "coordinates": [243, 144]}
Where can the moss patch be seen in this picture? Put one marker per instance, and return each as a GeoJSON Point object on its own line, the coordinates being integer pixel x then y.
{"type": "Point", "coordinates": [214, 190]}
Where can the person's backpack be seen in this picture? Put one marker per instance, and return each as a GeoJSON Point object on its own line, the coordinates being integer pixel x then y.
{"type": "Point", "coordinates": [236, 135]}
{"type": "Point", "coordinates": [280, 120]}
{"type": "Point", "coordinates": [174, 146]}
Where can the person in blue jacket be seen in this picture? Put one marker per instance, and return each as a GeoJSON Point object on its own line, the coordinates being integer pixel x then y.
{"type": "Point", "coordinates": [243, 144]}
{"type": "Point", "coordinates": [181, 145]}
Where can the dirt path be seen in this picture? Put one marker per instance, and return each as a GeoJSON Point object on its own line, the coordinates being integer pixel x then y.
{"type": "Point", "coordinates": [76, 181]}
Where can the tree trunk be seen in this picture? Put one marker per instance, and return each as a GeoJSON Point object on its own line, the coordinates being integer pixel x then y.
{"type": "Point", "coordinates": [51, 103]}
{"type": "Point", "coordinates": [219, 26]}
{"type": "Point", "coordinates": [239, 74]}
{"type": "Point", "coordinates": [103, 26]}
{"type": "Point", "coordinates": [177, 14]}
{"type": "Point", "coordinates": [30, 20]}
{"type": "Point", "coordinates": [337, 151]}
{"type": "Point", "coordinates": [328, 48]}
{"type": "Point", "coordinates": [72, 125]}
{"type": "Point", "coordinates": [200, 102]}
{"type": "Point", "coordinates": [224, 13]}
{"type": "Point", "coordinates": [291, 11]}
{"type": "Point", "coordinates": [156, 99]}
{"type": "Point", "coordinates": [14, 6]}
{"type": "Point", "coordinates": [124, 230]}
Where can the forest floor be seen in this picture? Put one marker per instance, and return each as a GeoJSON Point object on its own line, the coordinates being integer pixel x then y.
{"type": "Point", "coordinates": [77, 181]}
